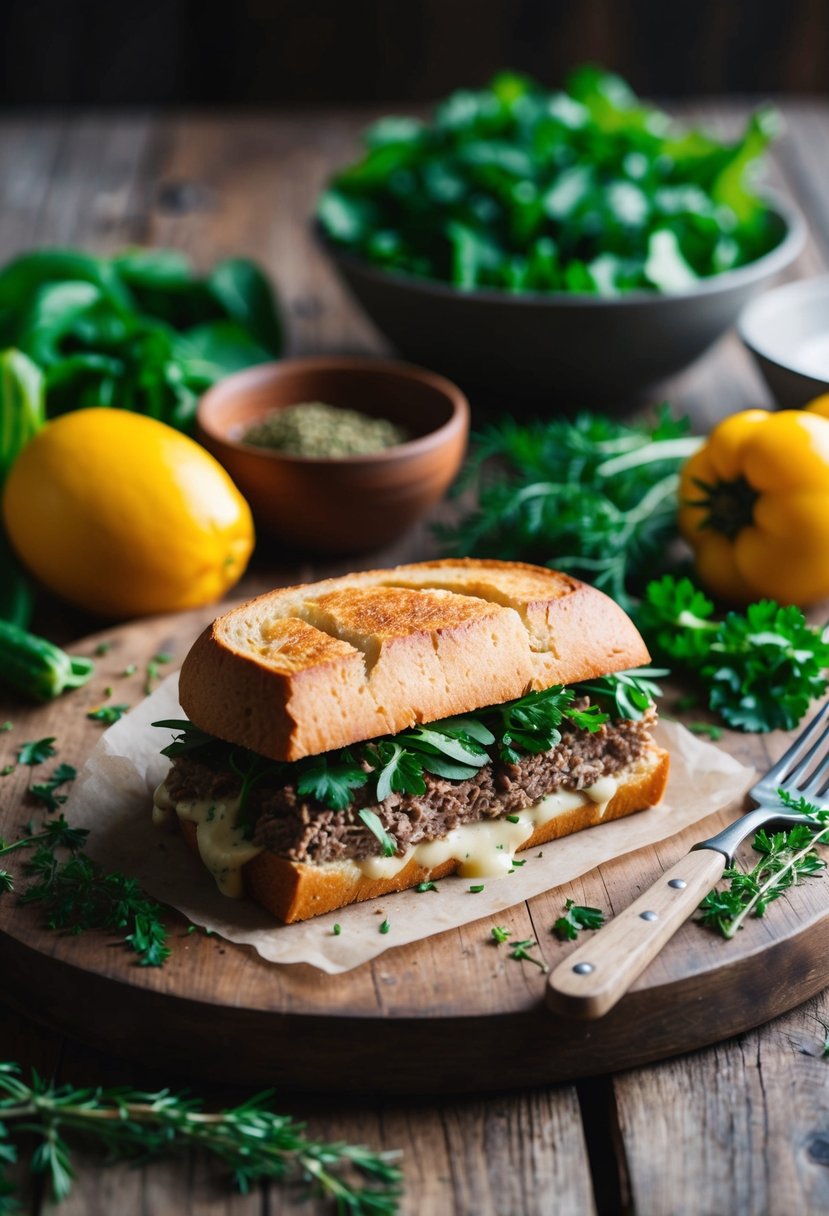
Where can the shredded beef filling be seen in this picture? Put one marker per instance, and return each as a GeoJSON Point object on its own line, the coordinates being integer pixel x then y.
{"type": "Point", "coordinates": [301, 830]}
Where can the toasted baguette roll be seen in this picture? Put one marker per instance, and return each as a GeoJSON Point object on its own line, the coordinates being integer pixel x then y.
{"type": "Point", "coordinates": [306, 669]}
{"type": "Point", "coordinates": [293, 891]}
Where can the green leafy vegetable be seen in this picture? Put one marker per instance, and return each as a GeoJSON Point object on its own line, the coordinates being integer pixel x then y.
{"type": "Point", "coordinates": [385, 927]}
{"type": "Point", "coordinates": [628, 694]}
{"type": "Point", "coordinates": [330, 779]}
{"type": "Point", "coordinates": [761, 669]}
{"type": "Point", "coordinates": [376, 828]}
{"type": "Point", "coordinates": [425, 886]}
{"type": "Point", "coordinates": [455, 748]}
{"type": "Point", "coordinates": [587, 190]}
{"type": "Point", "coordinates": [141, 331]}
{"type": "Point", "coordinates": [250, 1140]}
{"type": "Point", "coordinates": [785, 859]}
{"type": "Point", "coordinates": [499, 934]}
{"type": "Point", "coordinates": [476, 888]}
{"type": "Point", "coordinates": [575, 918]}
{"type": "Point", "coordinates": [591, 496]}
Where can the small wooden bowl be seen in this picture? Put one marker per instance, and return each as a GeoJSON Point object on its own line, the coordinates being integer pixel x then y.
{"type": "Point", "coordinates": [342, 504]}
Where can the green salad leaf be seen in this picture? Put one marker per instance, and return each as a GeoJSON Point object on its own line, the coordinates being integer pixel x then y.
{"type": "Point", "coordinates": [141, 331]}
{"type": "Point", "coordinates": [586, 190]}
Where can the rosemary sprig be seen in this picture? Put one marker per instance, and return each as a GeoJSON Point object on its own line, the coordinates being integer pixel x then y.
{"type": "Point", "coordinates": [251, 1140]}
{"type": "Point", "coordinates": [785, 859]}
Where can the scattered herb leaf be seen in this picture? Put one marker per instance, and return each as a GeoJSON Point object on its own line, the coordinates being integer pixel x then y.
{"type": "Point", "coordinates": [152, 670]}
{"type": "Point", "coordinates": [576, 917]}
{"type": "Point", "coordinates": [709, 729]}
{"type": "Point", "coordinates": [520, 952]}
{"type": "Point", "coordinates": [476, 889]}
{"type": "Point", "coordinates": [337, 930]}
{"type": "Point", "coordinates": [425, 886]}
{"type": "Point", "coordinates": [499, 934]}
{"type": "Point", "coordinates": [108, 714]}
{"type": "Point", "coordinates": [36, 752]}
{"type": "Point", "coordinates": [45, 792]}
{"type": "Point", "coordinates": [384, 928]}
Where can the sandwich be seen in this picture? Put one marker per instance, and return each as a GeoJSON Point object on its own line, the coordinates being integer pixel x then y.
{"type": "Point", "coordinates": [354, 737]}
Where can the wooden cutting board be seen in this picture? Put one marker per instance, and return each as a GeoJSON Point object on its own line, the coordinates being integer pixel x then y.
{"type": "Point", "coordinates": [452, 1013]}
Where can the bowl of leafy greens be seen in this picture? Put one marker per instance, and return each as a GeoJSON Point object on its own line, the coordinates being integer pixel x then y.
{"type": "Point", "coordinates": [567, 246]}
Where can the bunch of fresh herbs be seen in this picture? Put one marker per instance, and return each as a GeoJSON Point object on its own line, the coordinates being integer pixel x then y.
{"type": "Point", "coordinates": [785, 859]}
{"type": "Point", "coordinates": [760, 669]}
{"type": "Point", "coordinates": [251, 1141]}
{"type": "Point", "coordinates": [588, 190]}
{"type": "Point", "coordinates": [591, 496]}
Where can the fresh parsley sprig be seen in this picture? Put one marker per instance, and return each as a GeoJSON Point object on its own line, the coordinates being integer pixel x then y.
{"type": "Point", "coordinates": [251, 1140]}
{"type": "Point", "coordinates": [761, 669]}
{"type": "Point", "coordinates": [785, 859]}
{"type": "Point", "coordinates": [577, 917]}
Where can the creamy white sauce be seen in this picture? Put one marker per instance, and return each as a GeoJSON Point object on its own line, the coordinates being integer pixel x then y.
{"type": "Point", "coordinates": [223, 847]}
{"type": "Point", "coordinates": [482, 850]}
{"type": "Point", "coordinates": [487, 849]}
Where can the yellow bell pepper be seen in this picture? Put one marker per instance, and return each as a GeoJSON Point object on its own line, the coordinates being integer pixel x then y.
{"type": "Point", "coordinates": [754, 506]}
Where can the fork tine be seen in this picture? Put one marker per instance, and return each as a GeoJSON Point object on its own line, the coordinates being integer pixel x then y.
{"type": "Point", "coordinates": [817, 779]}
{"type": "Point", "coordinates": [793, 761]}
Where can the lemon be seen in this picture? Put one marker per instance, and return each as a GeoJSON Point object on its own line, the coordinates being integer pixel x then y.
{"type": "Point", "coordinates": [124, 516]}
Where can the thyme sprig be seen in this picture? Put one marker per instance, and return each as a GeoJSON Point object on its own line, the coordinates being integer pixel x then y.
{"type": "Point", "coordinates": [785, 859]}
{"type": "Point", "coordinates": [251, 1140]}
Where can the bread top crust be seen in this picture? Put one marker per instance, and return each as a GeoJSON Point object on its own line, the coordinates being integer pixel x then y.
{"type": "Point", "coordinates": [305, 669]}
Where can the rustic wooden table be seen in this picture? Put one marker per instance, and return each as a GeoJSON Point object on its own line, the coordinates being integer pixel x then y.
{"type": "Point", "coordinates": [741, 1128]}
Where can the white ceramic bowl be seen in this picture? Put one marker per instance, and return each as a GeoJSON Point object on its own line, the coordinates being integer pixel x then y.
{"type": "Point", "coordinates": [787, 332]}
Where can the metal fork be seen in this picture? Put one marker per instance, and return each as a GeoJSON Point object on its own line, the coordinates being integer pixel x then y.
{"type": "Point", "coordinates": [595, 976]}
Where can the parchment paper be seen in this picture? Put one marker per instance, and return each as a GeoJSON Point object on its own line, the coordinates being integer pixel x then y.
{"type": "Point", "coordinates": [113, 797]}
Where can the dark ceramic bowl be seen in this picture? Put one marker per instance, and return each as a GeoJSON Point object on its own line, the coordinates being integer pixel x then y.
{"type": "Point", "coordinates": [787, 332]}
{"type": "Point", "coordinates": [344, 504]}
{"type": "Point", "coordinates": [559, 349]}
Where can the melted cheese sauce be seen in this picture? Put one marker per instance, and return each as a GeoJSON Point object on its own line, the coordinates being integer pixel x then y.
{"type": "Point", "coordinates": [482, 850]}
{"type": "Point", "coordinates": [223, 847]}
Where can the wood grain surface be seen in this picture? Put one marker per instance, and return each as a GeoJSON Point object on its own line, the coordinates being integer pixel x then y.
{"type": "Point", "coordinates": [741, 1128]}
{"type": "Point", "coordinates": [219, 1011]}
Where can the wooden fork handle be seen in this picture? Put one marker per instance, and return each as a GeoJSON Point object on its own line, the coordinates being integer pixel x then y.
{"type": "Point", "coordinates": [595, 976]}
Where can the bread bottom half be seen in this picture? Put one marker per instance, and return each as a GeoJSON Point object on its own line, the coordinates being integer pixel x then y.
{"type": "Point", "coordinates": [294, 891]}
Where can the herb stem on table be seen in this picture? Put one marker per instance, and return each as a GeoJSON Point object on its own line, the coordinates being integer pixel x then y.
{"type": "Point", "coordinates": [251, 1140]}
